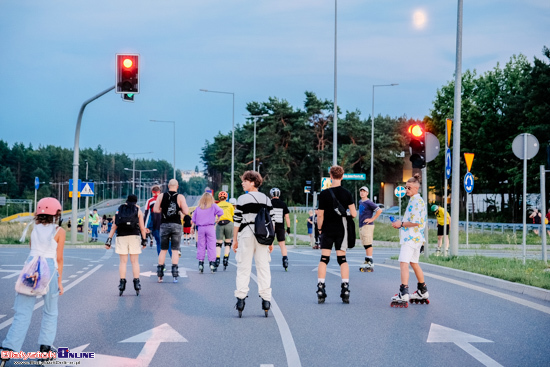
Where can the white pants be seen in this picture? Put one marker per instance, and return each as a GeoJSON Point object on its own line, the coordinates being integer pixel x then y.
{"type": "Point", "coordinates": [250, 248]}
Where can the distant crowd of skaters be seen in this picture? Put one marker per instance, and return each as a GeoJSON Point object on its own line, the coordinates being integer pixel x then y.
{"type": "Point", "coordinates": [224, 223]}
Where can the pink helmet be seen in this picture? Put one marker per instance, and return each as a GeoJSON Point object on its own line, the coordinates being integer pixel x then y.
{"type": "Point", "coordinates": [48, 206]}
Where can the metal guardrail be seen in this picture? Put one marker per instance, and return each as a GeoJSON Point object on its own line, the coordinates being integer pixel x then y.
{"type": "Point", "coordinates": [473, 227]}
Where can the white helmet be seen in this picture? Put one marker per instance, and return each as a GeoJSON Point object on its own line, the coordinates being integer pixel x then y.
{"type": "Point", "coordinates": [275, 192]}
{"type": "Point", "coordinates": [233, 201]}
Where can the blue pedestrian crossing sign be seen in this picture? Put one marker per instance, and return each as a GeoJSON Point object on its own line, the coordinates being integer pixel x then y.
{"type": "Point", "coordinates": [36, 183]}
{"type": "Point", "coordinates": [399, 191]}
{"type": "Point", "coordinates": [448, 163]}
{"type": "Point", "coordinates": [469, 182]}
{"type": "Point", "coordinates": [87, 189]}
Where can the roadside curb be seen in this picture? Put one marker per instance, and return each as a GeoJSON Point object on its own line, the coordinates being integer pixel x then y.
{"type": "Point", "coordinates": [26, 245]}
{"type": "Point", "coordinates": [527, 290]}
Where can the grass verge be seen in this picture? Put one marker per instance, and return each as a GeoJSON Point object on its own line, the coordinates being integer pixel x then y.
{"type": "Point", "coordinates": [535, 272]}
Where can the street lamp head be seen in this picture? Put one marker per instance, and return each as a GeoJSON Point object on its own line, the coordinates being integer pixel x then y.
{"type": "Point", "coordinates": [394, 84]}
{"type": "Point", "coordinates": [127, 169]}
{"type": "Point", "coordinates": [203, 90]}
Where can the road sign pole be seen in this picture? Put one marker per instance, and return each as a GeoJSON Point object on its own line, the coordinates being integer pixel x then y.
{"type": "Point", "coordinates": [524, 237]}
{"type": "Point", "coordinates": [543, 211]}
{"type": "Point", "coordinates": [35, 195]}
{"type": "Point", "coordinates": [425, 197]}
{"type": "Point", "coordinates": [467, 215]}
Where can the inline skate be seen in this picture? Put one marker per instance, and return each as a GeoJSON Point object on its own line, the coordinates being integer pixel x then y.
{"type": "Point", "coordinates": [175, 273]}
{"type": "Point", "coordinates": [266, 305]}
{"type": "Point", "coordinates": [137, 286]}
{"type": "Point", "coordinates": [160, 272]}
{"type": "Point", "coordinates": [201, 266]}
{"type": "Point", "coordinates": [122, 286]}
{"type": "Point", "coordinates": [344, 293]}
{"type": "Point", "coordinates": [401, 299]}
{"type": "Point", "coordinates": [421, 295]}
{"type": "Point", "coordinates": [368, 266]}
{"type": "Point", "coordinates": [225, 261]}
{"type": "Point", "coordinates": [321, 293]}
{"type": "Point", "coordinates": [285, 263]}
{"type": "Point", "coordinates": [213, 267]}
{"type": "Point", "coordinates": [240, 306]}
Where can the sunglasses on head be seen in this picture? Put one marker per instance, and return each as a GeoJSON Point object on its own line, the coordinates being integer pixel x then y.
{"type": "Point", "coordinates": [408, 187]}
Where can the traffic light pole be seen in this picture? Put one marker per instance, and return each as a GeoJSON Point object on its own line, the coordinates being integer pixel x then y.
{"type": "Point", "coordinates": [76, 154]}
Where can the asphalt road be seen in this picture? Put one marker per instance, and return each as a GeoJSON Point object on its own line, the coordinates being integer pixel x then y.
{"type": "Point", "coordinates": [194, 322]}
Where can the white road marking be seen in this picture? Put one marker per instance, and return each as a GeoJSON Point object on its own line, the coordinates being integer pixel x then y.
{"type": "Point", "coordinates": [79, 272]}
{"type": "Point", "coordinates": [442, 334]}
{"type": "Point", "coordinates": [41, 303]}
{"type": "Point", "coordinates": [14, 273]}
{"type": "Point", "coordinates": [72, 276]}
{"type": "Point", "coordinates": [292, 356]}
{"type": "Point", "coordinates": [152, 339]}
{"type": "Point", "coordinates": [504, 296]}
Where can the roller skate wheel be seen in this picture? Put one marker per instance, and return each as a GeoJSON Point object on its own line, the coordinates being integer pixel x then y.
{"type": "Point", "coordinates": [120, 294]}
{"type": "Point", "coordinates": [427, 301]}
{"type": "Point", "coordinates": [266, 312]}
{"type": "Point", "coordinates": [320, 300]}
{"type": "Point", "coordinates": [160, 280]}
{"type": "Point", "coordinates": [240, 314]}
{"type": "Point", "coordinates": [361, 270]}
{"type": "Point", "coordinates": [406, 305]}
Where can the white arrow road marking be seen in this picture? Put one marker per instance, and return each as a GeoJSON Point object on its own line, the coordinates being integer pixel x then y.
{"type": "Point", "coordinates": [152, 339]}
{"type": "Point", "coordinates": [148, 274]}
{"type": "Point", "coordinates": [182, 272]}
{"type": "Point", "coordinates": [1, 316]}
{"type": "Point", "coordinates": [442, 334]}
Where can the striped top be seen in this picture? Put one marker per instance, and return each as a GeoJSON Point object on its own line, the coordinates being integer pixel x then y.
{"type": "Point", "coordinates": [248, 205]}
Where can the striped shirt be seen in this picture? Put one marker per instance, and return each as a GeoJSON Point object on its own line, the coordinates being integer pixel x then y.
{"type": "Point", "coordinates": [248, 205]}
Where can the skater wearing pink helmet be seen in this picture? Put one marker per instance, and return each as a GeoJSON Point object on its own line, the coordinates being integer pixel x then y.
{"type": "Point", "coordinates": [47, 243]}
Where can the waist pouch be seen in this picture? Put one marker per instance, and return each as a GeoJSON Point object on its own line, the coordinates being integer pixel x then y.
{"type": "Point", "coordinates": [224, 222]}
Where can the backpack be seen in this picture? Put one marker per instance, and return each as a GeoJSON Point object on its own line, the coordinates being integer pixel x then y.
{"type": "Point", "coordinates": [127, 218]}
{"type": "Point", "coordinates": [263, 226]}
{"type": "Point", "coordinates": [347, 221]}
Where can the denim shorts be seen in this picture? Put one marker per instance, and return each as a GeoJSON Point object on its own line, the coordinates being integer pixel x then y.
{"type": "Point", "coordinates": [170, 232]}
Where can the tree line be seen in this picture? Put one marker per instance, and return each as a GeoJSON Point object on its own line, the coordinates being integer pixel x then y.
{"type": "Point", "coordinates": [20, 164]}
{"type": "Point", "coordinates": [295, 144]}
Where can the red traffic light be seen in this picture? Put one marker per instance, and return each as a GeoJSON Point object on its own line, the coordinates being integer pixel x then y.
{"type": "Point", "coordinates": [127, 63]}
{"type": "Point", "coordinates": [127, 74]}
{"type": "Point", "coordinates": [416, 130]}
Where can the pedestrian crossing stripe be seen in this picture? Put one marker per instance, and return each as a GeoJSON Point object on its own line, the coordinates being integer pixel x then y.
{"type": "Point", "coordinates": [86, 190]}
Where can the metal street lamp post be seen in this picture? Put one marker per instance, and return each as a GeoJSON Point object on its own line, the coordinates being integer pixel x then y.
{"type": "Point", "coordinates": [232, 138]}
{"type": "Point", "coordinates": [171, 122]}
{"type": "Point", "coordinates": [372, 139]}
{"type": "Point", "coordinates": [255, 118]}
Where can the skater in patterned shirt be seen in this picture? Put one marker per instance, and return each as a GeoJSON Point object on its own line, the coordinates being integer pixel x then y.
{"type": "Point", "coordinates": [411, 237]}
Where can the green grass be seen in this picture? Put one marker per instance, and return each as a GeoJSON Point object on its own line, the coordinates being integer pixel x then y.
{"type": "Point", "coordinates": [385, 232]}
{"type": "Point", "coordinates": [10, 234]}
{"type": "Point", "coordinates": [532, 273]}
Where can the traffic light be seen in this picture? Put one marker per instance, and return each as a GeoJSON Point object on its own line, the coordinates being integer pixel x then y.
{"type": "Point", "coordinates": [127, 74]}
{"type": "Point", "coordinates": [128, 97]}
{"type": "Point", "coordinates": [417, 145]}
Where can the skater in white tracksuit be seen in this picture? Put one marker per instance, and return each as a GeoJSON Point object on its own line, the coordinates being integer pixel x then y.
{"type": "Point", "coordinates": [245, 244]}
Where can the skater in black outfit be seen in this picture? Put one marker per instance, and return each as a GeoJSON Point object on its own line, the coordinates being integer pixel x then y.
{"type": "Point", "coordinates": [281, 214]}
{"type": "Point", "coordinates": [333, 231]}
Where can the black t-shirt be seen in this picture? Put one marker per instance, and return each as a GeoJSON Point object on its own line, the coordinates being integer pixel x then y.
{"type": "Point", "coordinates": [279, 211]}
{"type": "Point", "coordinates": [187, 221]}
{"type": "Point", "coordinates": [332, 222]}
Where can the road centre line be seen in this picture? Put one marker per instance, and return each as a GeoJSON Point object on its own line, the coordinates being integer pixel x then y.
{"type": "Point", "coordinates": [65, 288]}
{"type": "Point", "coordinates": [507, 297]}
{"type": "Point", "coordinates": [292, 356]}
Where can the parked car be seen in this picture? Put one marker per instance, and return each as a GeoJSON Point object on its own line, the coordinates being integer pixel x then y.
{"type": "Point", "coordinates": [392, 210]}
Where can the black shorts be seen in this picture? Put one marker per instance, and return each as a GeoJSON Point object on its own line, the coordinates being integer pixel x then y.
{"type": "Point", "coordinates": [328, 240]}
{"type": "Point", "coordinates": [440, 230]}
{"type": "Point", "coordinates": [280, 233]}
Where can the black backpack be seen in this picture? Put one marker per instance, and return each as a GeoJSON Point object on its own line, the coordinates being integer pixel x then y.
{"type": "Point", "coordinates": [127, 218]}
{"type": "Point", "coordinates": [263, 226]}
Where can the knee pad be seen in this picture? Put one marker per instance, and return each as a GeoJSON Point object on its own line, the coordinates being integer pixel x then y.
{"type": "Point", "coordinates": [367, 246]}
{"type": "Point", "coordinates": [325, 259]}
{"type": "Point", "coordinates": [219, 244]}
{"type": "Point", "coordinates": [230, 243]}
{"type": "Point", "coordinates": [341, 259]}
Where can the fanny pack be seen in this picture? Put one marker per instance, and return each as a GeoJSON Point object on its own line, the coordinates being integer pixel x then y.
{"type": "Point", "coordinates": [223, 222]}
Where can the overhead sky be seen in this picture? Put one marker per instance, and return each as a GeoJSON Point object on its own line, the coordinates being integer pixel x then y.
{"type": "Point", "coordinates": [54, 55]}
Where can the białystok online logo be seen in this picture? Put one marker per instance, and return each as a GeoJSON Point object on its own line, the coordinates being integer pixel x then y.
{"type": "Point", "coordinates": [62, 353]}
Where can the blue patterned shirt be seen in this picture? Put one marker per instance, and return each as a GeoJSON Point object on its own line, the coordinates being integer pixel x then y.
{"type": "Point", "coordinates": [415, 213]}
